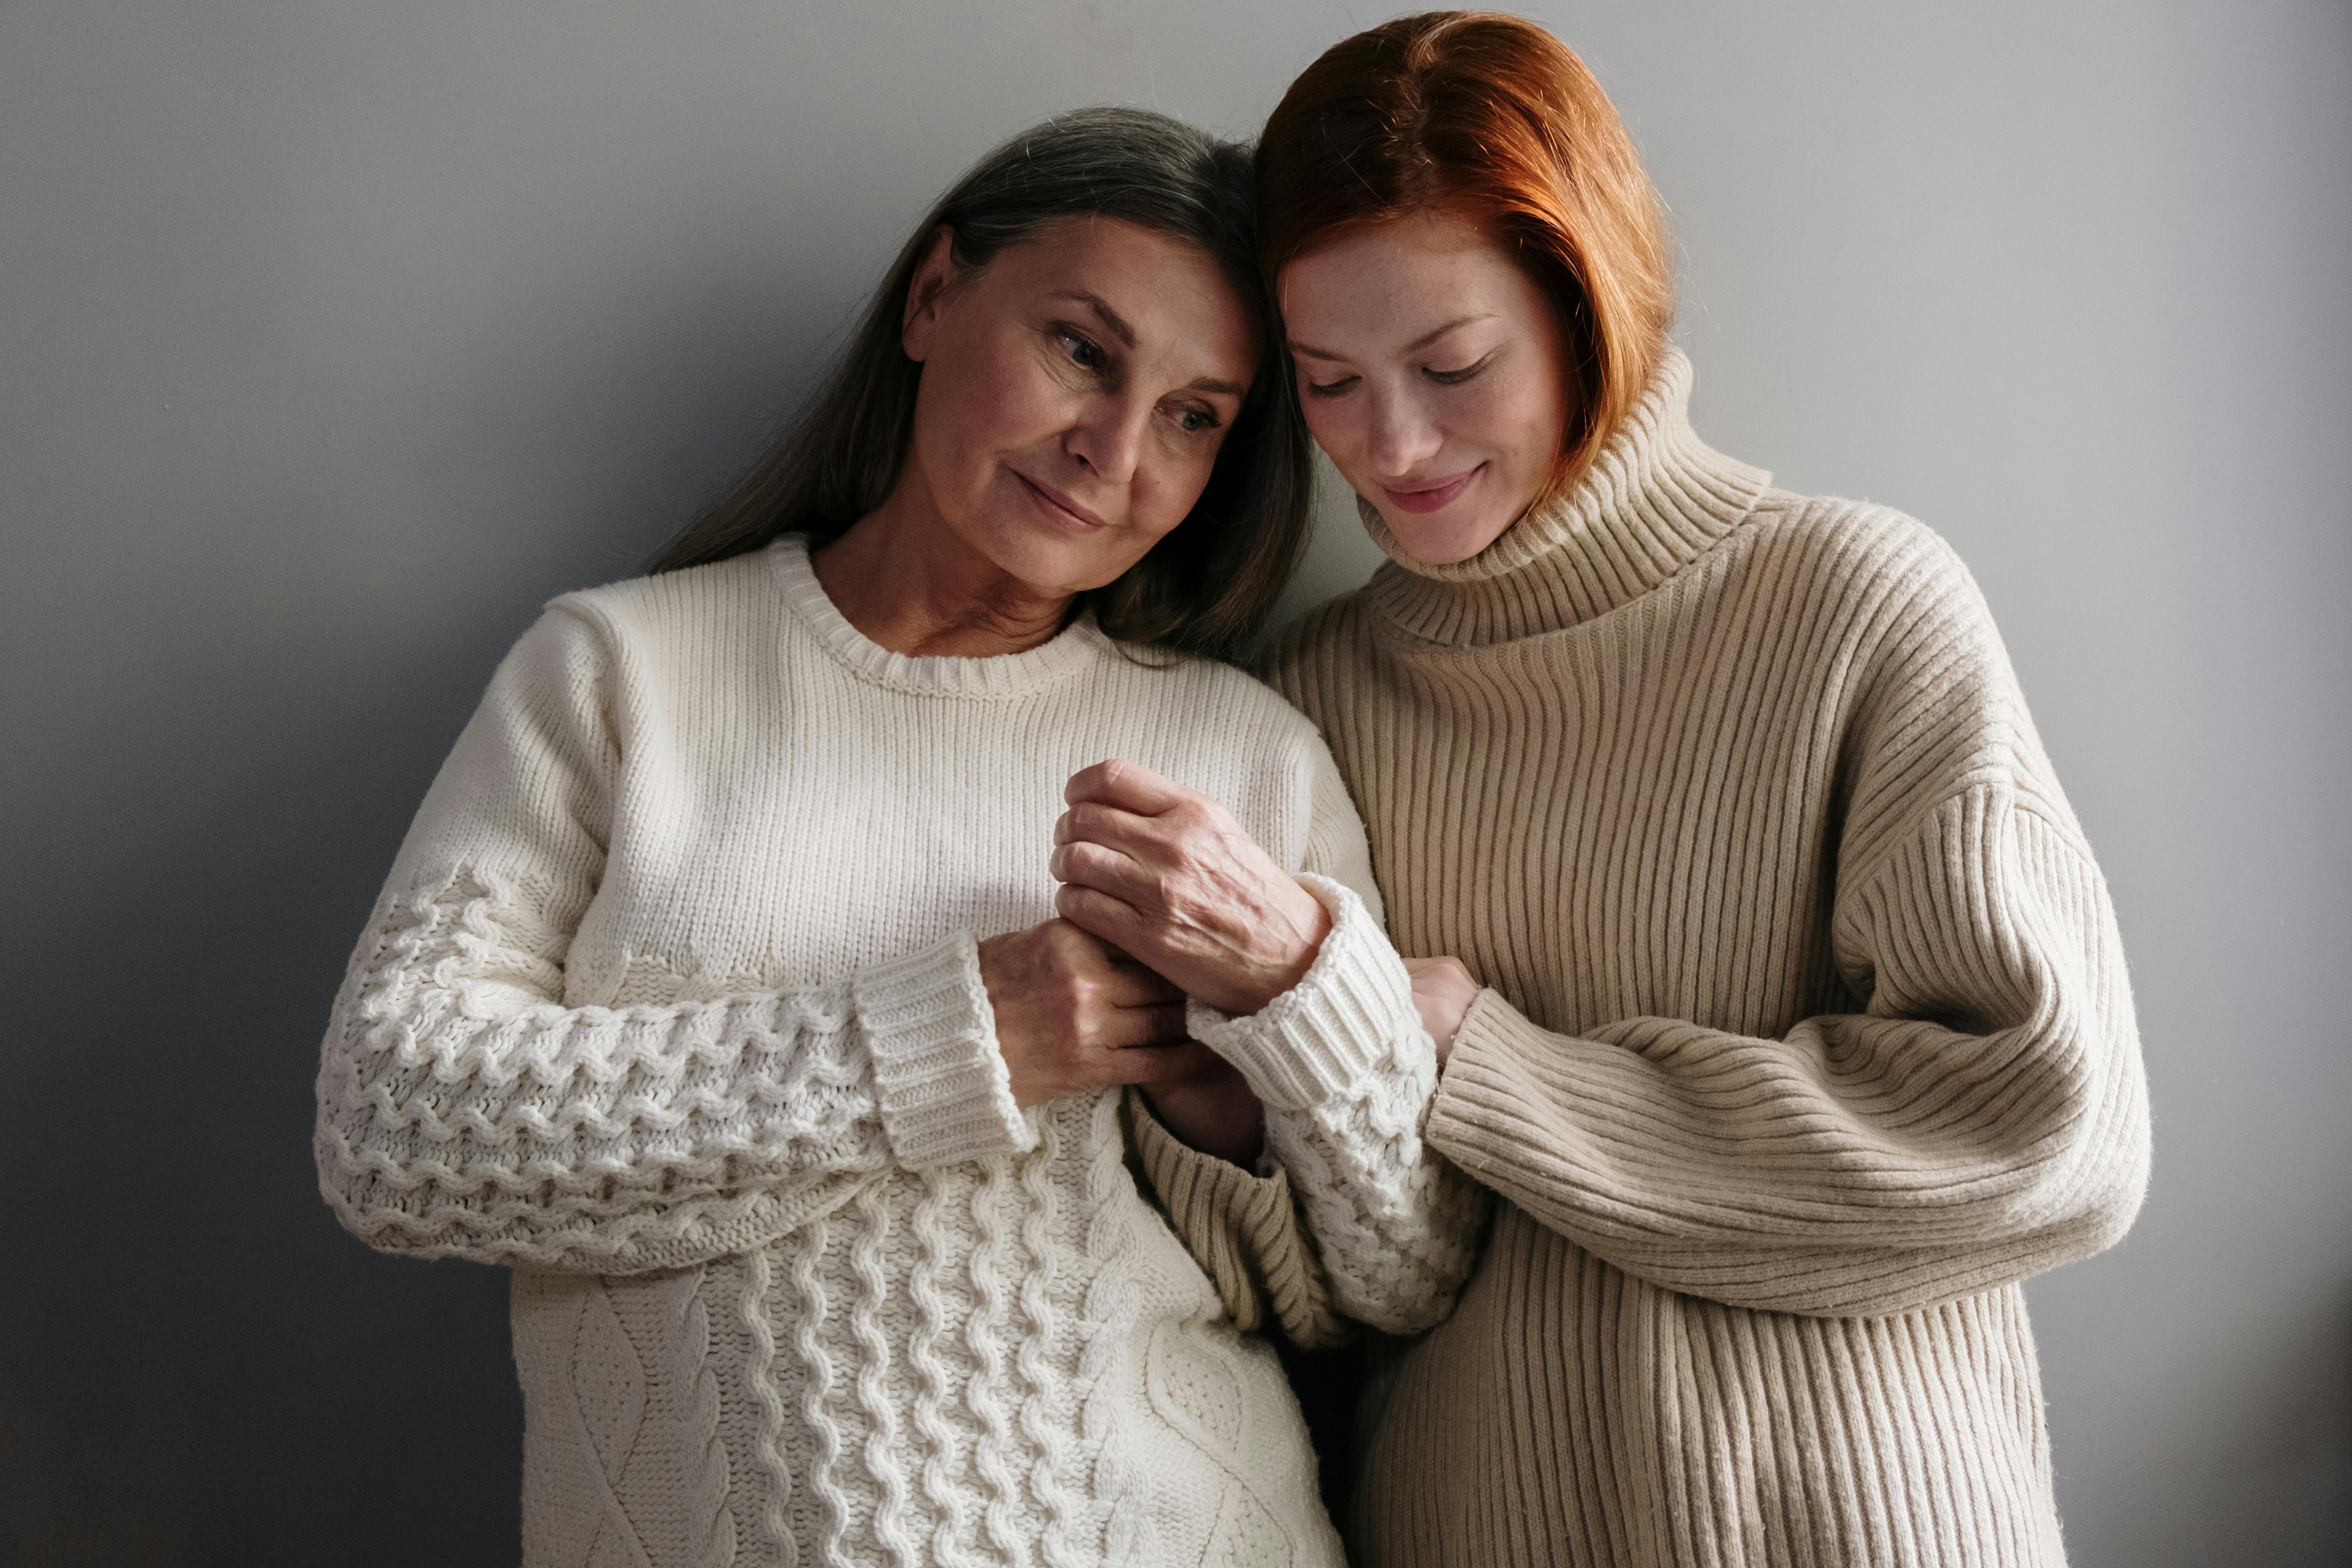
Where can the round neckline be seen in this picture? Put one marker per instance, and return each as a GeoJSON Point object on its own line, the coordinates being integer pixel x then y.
{"type": "Point", "coordinates": [993, 676]}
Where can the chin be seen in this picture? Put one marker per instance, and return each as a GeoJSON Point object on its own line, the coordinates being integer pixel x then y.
{"type": "Point", "coordinates": [1440, 542]}
{"type": "Point", "coordinates": [1049, 561]}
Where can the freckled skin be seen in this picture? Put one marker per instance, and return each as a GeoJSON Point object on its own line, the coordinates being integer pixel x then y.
{"type": "Point", "coordinates": [1402, 408]}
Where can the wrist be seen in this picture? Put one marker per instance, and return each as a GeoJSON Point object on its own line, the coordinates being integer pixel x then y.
{"type": "Point", "coordinates": [1280, 971]}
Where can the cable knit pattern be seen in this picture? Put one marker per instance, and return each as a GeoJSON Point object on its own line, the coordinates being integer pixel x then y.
{"type": "Point", "coordinates": [1808, 1035]}
{"type": "Point", "coordinates": [672, 1004]}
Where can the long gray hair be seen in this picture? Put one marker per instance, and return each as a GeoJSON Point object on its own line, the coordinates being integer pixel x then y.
{"type": "Point", "coordinates": [1207, 585]}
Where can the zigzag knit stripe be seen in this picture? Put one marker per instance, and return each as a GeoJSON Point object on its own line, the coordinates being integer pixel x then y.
{"type": "Point", "coordinates": [775, 1471]}
{"type": "Point", "coordinates": [944, 1483]}
{"type": "Point", "coordinates": [1050, 1453]}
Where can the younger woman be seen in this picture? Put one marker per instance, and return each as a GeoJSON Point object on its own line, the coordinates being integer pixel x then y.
{"type": "Point", "coordinates": [1789, 1031]}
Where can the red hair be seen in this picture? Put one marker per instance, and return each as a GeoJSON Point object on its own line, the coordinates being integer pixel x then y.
{"type": "Point", "coordinates": [1491, 119]}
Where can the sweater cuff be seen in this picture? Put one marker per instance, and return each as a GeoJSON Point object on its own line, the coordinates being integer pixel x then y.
{"type": "Point", "coordinates": [946, 1096]}
{"type": "Point", "coordinates": [1482, 1074]}
{"type": "Point", "coordinates": [1320, 1039]}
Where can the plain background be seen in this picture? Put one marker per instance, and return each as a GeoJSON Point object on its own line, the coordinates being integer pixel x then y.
{"type": "Point", "coordinates": [335, 336]}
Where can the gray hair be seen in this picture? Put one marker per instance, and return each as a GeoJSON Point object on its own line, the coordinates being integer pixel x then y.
{"type": "Point", "coordinates": [1207, 585]}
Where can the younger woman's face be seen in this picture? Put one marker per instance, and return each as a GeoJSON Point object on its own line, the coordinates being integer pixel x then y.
{"type": "Point", "coordinates": [1431, 371]}
{"type": "Point", "coordinates": [1074, 392]}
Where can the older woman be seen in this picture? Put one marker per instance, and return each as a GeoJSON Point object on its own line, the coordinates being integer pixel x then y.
{"type": "Point", "coordinates": [717, 991]}
{"type": "Point", "coordinates": [1789, 1031]}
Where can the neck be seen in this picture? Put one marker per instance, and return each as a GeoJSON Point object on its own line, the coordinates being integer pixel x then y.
{"type": "Point", "coordinates": [904, 579]}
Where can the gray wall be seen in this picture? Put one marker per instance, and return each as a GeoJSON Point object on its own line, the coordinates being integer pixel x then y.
{"type": "Point", "coordinates": [335, 336]}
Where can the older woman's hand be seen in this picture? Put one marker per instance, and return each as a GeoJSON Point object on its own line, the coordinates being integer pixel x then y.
{"type": "Point", "coordinates": [1167, 876]}
{"type": "Point", "coordinates": [1073, 1016]}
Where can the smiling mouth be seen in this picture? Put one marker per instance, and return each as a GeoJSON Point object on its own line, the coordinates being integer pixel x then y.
{"type": "Point", "coordinates": [1430, 497]}
{"type": "Point", "coordinates": [1059, 507]}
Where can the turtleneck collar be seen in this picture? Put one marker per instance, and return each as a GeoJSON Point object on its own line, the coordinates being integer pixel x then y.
{"type": "Point", "coordinates": [1654, 500]}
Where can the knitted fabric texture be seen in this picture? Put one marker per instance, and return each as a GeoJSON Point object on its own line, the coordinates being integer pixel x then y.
{"type": "Point", "coordinates": [672, 1005]}
{"type": "Point", "coordinates": [1807, 1035]}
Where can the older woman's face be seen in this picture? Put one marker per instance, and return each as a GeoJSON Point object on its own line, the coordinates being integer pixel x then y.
{"type": "Point", "coordinates": [1432, 370]}
{"type": "Point", "coordinates": [1074, 392]}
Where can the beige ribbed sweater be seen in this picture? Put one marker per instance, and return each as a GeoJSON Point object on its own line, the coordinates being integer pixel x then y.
{"type": "Point", "coordinates": [1807, 1035]}
{"type": "Point", "coordinates": [671, 1004]}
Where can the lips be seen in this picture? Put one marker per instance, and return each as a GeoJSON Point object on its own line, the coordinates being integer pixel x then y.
{"type": "Point", "coordinates": [1431, 496]}
{"type": "Point", "coordinates": [1059, 507]}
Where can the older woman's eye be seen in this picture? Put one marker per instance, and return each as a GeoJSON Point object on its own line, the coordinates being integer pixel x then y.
{"type": "Point", "coordinates": [1082, 351]}
{"type": "Point", "coordinates": [1194, 420]}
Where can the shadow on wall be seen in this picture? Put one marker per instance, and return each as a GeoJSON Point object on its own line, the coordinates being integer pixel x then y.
{"type": "Point", "coordinates": [203, 1367]}
{"type": "Point", "coordinates": [2288, 1474]}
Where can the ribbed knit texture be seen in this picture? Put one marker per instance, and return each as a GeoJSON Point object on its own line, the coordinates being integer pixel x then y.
{"type": "Point", "coordinates": [1808, 1035]}
{"type": "Point", "coordinates": [672, 1004]}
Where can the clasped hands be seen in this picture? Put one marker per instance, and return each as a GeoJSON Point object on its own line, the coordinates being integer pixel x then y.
{"type": "Point", "coordinates": [1163, 895]}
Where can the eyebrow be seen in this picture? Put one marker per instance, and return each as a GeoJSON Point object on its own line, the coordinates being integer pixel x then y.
{"type": "Point", "coordinates": [1117, 325]}
{"type": "Point", "coordinates": [1113, 323]}
{"type": "Point", "coordinates": [1423, 342]}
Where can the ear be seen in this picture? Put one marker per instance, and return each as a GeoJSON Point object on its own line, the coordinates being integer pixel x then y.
{"type": "Point", "coordinates": [926, 294]}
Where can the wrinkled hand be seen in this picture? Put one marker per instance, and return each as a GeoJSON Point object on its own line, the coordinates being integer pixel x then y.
{"type": "Point", "coordinates": [1073, 1016]}
{"type": "Point", "coordinates": [1165, 874]}
{"type": "Point", "coordinates": [1443, 989]}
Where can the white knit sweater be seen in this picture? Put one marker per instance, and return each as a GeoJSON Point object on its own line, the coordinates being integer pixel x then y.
{"type": "Point", "coordinates": [672, 1004]}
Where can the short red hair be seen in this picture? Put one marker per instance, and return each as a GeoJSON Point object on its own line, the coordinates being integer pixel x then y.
{"type": "Point", "coordinates": [1490, 118]}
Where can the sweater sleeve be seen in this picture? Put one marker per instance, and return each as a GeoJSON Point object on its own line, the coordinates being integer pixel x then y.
{"type": "Point", "coordinates": [465, 1111]}
{"type": "Point", "coordinates": [1243, 1230]}
{"type": "Point", "coordinates": [1346, 1071]}
{"type": "Point", "coordinates": [1980, 1116]}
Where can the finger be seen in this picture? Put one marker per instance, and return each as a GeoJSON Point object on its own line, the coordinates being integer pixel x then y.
{"type": "Point", "coordinates": [1128, 1028]}
{"type": "Point", "coordinates": [1100, 916]}
{"type": "Point", "coordinates": [1105, 870]}
{"type": "Point", "coordinates": [1113, 826]}
{"type": "Point", "coordinates": [1132, 985]}
{"type": "Point", "coordinates": [1159, 1064]}
{"type": "Point", "coordinates": [1128, 785]}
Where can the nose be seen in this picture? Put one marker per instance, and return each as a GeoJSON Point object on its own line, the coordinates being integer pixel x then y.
{"type": "Point", "coordinates": [1108, 439]}
{"type": "Point", "coordinates": [1402, 435]}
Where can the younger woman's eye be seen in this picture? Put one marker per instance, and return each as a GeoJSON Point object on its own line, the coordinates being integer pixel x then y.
{"type": "Point", "coordinates": [1456, 377]}
{"type": "Point", "coordinates": [1330, 388]}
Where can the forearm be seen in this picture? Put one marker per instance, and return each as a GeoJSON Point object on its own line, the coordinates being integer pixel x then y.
{"type": "Point", "coordinates": [462, 1114]}
{"type": "Point", "coordinates": [1243, 1229]}
{"type": "Point", "coordinates": [1859, 1165]}
{"type": "Point", "coordinates": [1346, 1072]}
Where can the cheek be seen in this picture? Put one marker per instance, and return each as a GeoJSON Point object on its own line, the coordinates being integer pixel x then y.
{"type": "Point", "coordinates": [1338, 426]}
{"type": "Point", "coordinates": [978, 404]}
{"type": "Point", "coordinates": [1526, 416]}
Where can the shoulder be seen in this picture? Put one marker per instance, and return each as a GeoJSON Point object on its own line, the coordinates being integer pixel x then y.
{"type": "Point", "coordinates": [691, 604]}
{"type": "Point", "coordinates": [1933, 703]}
{"type": "Point", "coordinates": [1860, 554]}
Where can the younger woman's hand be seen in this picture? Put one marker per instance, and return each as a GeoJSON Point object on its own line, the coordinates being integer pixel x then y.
{"type": "Point", "coordinates": [1213, 1110]}
{"type": "Point", "coordinates": [1165, 874]}
{"type": "Point", "coordinates": [1443, 989]}
{"type": "Point", "coordinates": [1074, 1016]}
